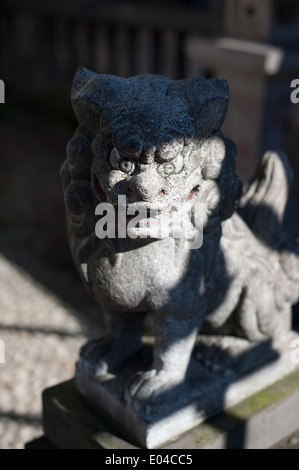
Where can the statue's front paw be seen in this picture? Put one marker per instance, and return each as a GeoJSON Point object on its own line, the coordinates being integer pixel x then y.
{"type": "Point", "coordinates": [93, 357]}
{"type": "Point", "coordinates": [147, 391]}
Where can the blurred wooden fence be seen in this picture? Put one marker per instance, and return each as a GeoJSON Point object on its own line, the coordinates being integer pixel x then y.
{"type": "Point", "coordinates": [43, 42]}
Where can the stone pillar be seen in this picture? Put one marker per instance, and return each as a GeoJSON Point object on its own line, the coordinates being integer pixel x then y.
{"type": "Point", "coordinates": [259, 76]}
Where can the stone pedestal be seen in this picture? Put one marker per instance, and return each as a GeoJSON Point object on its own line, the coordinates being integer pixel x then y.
{"type": "Point", "coordinates": [255, 410]}
{"type": "Point", "coordinates": [258, 422]}
{"type": "Point", "coordinates": [223, 371]}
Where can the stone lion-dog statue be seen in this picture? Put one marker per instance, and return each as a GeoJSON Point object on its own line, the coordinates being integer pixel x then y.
{"type": "Point", "coordinates": [158, 142]}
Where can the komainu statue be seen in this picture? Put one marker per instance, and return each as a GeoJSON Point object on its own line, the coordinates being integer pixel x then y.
{"type": "Point", "coordinates": [154, 145]}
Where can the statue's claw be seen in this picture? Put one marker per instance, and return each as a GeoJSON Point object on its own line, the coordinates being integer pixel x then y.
{"type": "Point", "coordinates": [94, 358]}
{"type": "Point", "coordinates": [147, 391]}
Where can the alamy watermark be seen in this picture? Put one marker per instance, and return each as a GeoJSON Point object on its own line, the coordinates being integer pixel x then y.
{"type": "Point", "coordinates": [138, 220]}
{"type": "Point", "coordinates": [2, 92]}
{"type": "Point", "coordinates": [295, 93]}
{"type": "Point", "coordinates": [2, 352]}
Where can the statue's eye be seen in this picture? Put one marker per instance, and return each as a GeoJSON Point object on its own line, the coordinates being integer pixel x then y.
{"type": "Point", "coordinates": [169, 168]}
{"type": "Point", "coordinates": [172, 168]}
{"type": "Point", "coordinates": [127, 166]}
{"type": "Point", "coordinates": [118, 163]}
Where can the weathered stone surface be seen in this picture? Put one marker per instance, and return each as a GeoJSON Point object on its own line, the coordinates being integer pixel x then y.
{"type": "Point", "coordinates": [258, 422]}
{"type": "Point", "coordinates": [223, 371]}
{"type": "Point", "coordinates": [158, 143]}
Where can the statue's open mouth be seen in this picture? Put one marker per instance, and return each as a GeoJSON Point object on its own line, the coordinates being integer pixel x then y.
{"type": "Point", "coordinates": [193, 192]}
{"type": "Point", "coordinates": [143, 222]}
{"type": "Point", "coordinates": [147, 220]}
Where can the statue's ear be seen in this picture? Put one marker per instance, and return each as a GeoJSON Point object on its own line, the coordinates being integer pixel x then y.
{"type": "Point", "coordinates": [81, 78]}
{"type": "Point", "coordinates": [91, 93]}
{"type": "Point", "coordinates": [206, 101]}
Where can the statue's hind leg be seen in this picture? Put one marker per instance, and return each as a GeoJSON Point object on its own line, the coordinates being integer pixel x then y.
{"type": "Point", "coordinates": [258, 313]}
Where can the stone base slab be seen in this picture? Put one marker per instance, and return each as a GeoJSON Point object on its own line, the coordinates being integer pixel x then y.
{"type": "Point", "coordinates": [223, 372]}
{"type": "Point", "coordinates": [258, 422]}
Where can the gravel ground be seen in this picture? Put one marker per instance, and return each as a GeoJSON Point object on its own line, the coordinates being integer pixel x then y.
{"type": "Point", "coordinates": [42, 336]}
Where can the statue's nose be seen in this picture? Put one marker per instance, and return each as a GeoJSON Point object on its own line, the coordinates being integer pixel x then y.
{"type": "Point", "coordinates": [146, 186]}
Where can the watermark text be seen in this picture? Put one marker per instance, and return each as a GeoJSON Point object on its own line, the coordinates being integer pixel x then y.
{"type": "Point", "coordinates": [295, 93]}
{"type": "Point", "coordinates": [2, 92]}
{"type": "Point", "coordinates": [137, 220]}
{"type": "Point", "coordinates": [2, 352]}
